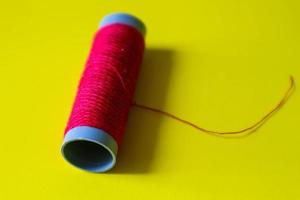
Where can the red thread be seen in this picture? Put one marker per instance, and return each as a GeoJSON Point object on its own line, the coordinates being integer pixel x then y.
{"type": "Point", "coordinates": [245, 131]}
{"type": "Point", "coordinates": [107, 85]}
{"type": "Point", "coordinates": [108, 82]}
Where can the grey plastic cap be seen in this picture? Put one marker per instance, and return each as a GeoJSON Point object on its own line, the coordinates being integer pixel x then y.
{"type": "Point", "coordinates": [123, 18]}
{"type": "Point", "coordinates": [90, 149]}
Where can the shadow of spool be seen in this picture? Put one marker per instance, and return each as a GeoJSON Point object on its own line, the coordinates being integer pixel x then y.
{"type": "Point", "coordinates": [137, 151]}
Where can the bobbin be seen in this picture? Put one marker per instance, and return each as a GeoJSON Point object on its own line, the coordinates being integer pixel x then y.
{"type": "Point", "coordinates": [89, 148]}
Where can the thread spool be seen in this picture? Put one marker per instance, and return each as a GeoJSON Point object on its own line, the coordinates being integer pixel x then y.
{"type": "Point", "coordinates": [89, 143]}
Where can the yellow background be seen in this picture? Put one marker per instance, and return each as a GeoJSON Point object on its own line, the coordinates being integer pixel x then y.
{"type": "Point", "coordinates": [220, 64]}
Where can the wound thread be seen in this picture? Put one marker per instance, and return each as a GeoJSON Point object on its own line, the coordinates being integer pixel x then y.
{"type": "Point", "coordinates": [101, 100]}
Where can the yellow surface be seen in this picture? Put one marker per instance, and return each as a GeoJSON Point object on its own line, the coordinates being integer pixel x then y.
{"type": "Point", "coordinates": [220, 64]}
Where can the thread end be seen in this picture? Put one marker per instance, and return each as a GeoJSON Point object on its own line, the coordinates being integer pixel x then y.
{"type": "Point", "coordinates": [89, 149]}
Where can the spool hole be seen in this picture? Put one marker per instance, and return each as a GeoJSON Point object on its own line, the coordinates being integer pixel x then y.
{"type": "Point", "coordinates": [88, 155]}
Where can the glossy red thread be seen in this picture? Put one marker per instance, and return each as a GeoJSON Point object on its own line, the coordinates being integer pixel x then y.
{"type": "Point", "coordinates": [107, 85]}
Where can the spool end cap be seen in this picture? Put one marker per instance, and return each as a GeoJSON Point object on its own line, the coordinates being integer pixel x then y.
{"type": "Point", "coordinates": [89, 149]}
{"type": "Point", "coordinates": [124, 18]}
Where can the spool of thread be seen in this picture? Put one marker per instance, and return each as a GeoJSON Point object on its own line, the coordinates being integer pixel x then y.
{"type": "Point", "coordinates": [97, 122]}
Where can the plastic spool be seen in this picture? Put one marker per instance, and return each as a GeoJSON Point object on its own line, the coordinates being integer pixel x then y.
{"type": "Point", "coordinates": [89, 148]}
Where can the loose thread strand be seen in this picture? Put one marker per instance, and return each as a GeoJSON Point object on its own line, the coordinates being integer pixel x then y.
{"type": "Point", "coordinates": [245, 131]}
